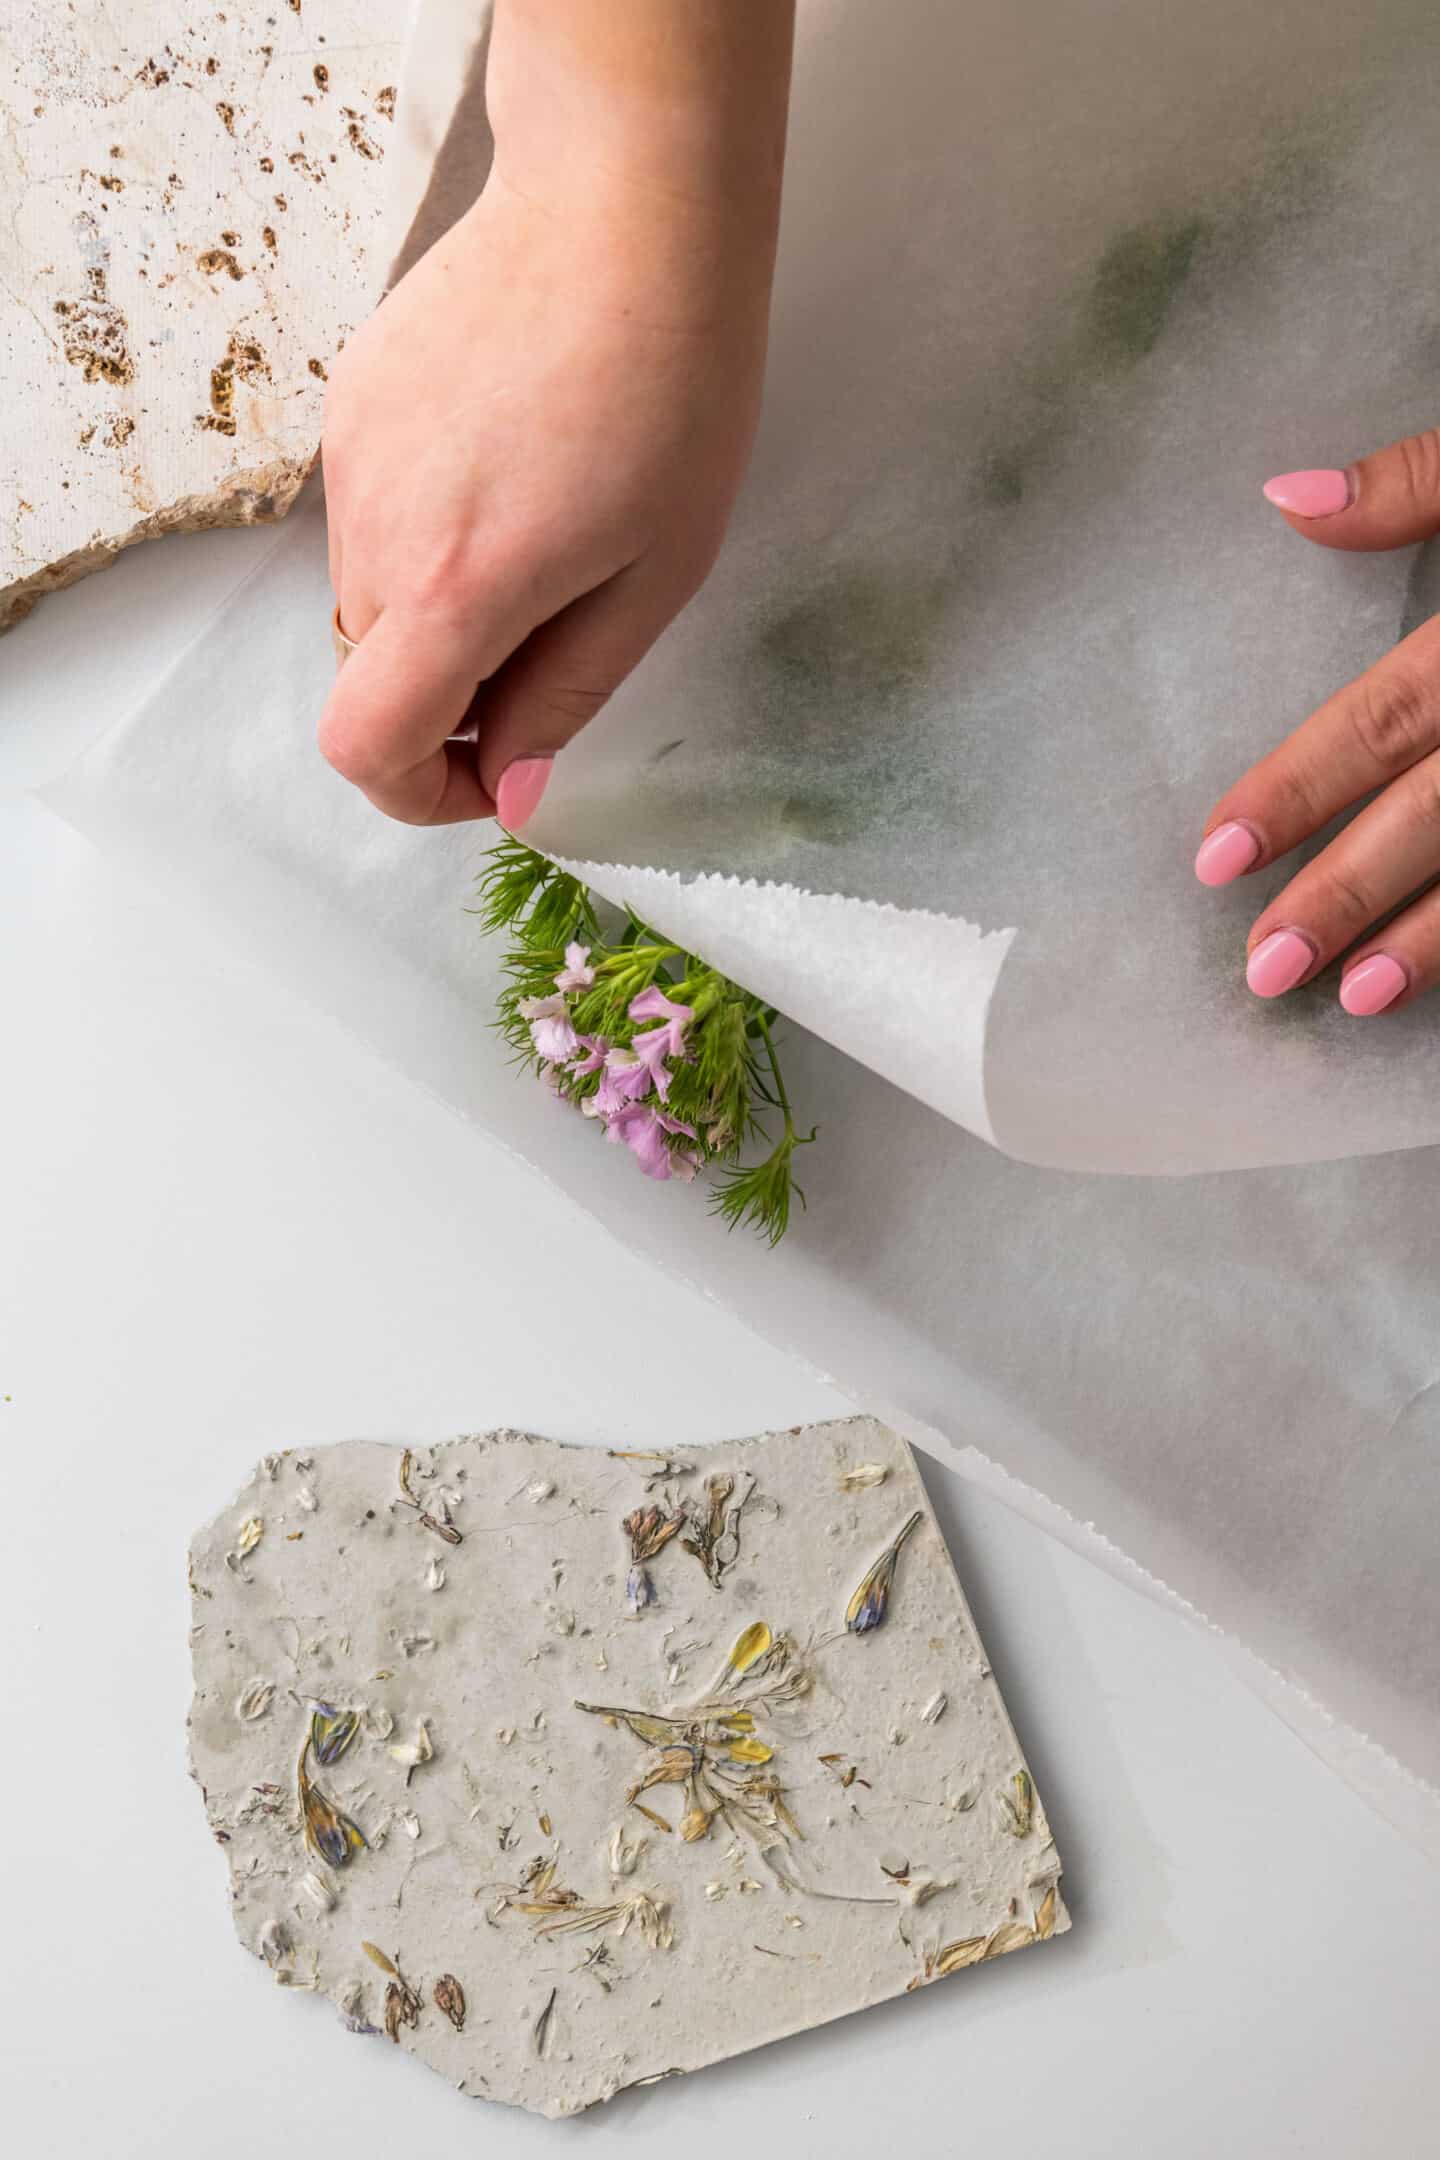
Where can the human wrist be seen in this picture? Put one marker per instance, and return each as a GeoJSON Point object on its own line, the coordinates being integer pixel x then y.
{"type": "Point", "coordinates": [668, 111]}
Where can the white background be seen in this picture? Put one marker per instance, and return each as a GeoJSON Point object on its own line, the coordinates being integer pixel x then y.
{"type": "Point", "coordinates": [224, 1229]}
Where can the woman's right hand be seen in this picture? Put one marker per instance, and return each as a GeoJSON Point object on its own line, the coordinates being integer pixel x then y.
{"type": "Point", "coordinates": [532, 448]}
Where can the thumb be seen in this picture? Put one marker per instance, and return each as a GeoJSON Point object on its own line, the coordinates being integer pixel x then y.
{"type": "Point", "coordinates": [1388, 500]}
{"type": "Point", "coordinates": [559, 679]}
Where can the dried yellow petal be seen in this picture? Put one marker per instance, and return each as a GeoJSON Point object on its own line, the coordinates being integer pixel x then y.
{"type": "Point", "coordinates": [955, 1956]}
{"type": "Point", "coordinates": [378, 1957]}
{"type": "Point", "coordinates": [1010, 1935]}
{"type": "Point", "coordinates": [749, 1751]}
{"type": "Point", "coordinates": [863, 1476]}
{"type": "Point", "coordinates": [752, 1644]}
{"type": "Point", "coordinates": [694, 1824]}
{"type": "Point", "coordinates": [251, 1532]}
{"type": "Point", "coordinates": [1045, 1916]}
{"type": "Point", "coordinates": [651, 1816]}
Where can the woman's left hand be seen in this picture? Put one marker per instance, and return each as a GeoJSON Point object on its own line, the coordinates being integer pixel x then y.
{"type": "Point", "coordinates": [1381, 731]}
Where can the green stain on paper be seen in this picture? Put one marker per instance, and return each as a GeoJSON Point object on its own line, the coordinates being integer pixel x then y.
{"type": "Point", "coordinates": [862, 633]}
{"type": "Point", "coordinates": [1136, 284]}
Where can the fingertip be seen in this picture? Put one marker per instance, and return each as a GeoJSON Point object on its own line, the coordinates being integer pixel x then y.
{"type": "Point", "coordinates": [519, 789]}
{"type": "Point", "coordinates": [1372, 985]}
{"type": "Point", "coordinates": [1227, 852]}
{"type": "Point", "coordinates": [1279, 962]}
{"type": "Point", "coordinates": [1318, 491]}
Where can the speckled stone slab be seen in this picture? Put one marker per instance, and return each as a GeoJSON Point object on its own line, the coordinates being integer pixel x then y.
{"type": "Point", "coordinates": [572, 1770]}
{"type": "Point", "coordinates": [193, 201]}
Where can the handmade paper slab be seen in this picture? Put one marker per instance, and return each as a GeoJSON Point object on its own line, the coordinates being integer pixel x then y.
{"type": "Point", "coordinates": [194, 198]}
{"type": "Point", "coordinates": [825, 1812]}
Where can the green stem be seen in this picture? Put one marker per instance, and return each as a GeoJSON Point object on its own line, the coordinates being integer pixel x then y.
{"type": "Point", "coordinates": [780, 1095]}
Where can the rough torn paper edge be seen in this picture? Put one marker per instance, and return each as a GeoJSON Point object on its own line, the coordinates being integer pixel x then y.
{"type": "Point", "coordinates": [829, 963]}
{"type": "Point", "coordinates": [1406, 1801]}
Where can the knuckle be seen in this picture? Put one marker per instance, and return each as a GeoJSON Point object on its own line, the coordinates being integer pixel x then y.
{"type": "Point", "coordinates": [445, 588]}
{"type": "Point", "coordinates": [1420, 463]}
{"type": "Point", "coordinates": [1344, 899]}
{"type": "Point", "coordinates": [1392, 718]}
{"type": "Point", "coordinates": [573, 703]}
{"type": "Point", "coordinates": [1422, 789]}
{"type": "Point", "coordinates": [348, 754]}
{"type": "Point", "coordinates": [1299, 800]}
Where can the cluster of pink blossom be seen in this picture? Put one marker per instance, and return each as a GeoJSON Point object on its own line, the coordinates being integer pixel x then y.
{"type": "Point", "coordinates": [634, 1079]}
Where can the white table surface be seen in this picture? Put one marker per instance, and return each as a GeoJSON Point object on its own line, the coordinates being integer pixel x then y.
{"type": "Point", "coordinates": [224, 1229]}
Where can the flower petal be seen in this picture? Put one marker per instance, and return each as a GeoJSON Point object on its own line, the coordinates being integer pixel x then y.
{"type": "Point", "coordinates": [576, 974]}
{"type": "Point", "coordinates": [652, 1004]}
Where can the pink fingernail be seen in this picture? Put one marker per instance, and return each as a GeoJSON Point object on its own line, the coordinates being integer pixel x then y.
{"type": "Point", "coordinates": [522, 784]}
{"type": "Point", "coordinates": [1278, 962]}
{"type": "Point", "coordinates": [1316, 493]}
{"type": "Point", "coordinates": [1373, 985]}
{"type": "Point", "coordinates": [1225, 852]}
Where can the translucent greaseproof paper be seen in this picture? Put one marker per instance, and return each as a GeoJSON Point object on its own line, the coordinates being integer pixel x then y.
{"type": "Point", "coordinates": [927, 761]}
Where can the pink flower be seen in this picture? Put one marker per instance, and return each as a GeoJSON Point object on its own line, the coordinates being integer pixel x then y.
{"type": "Point", "coordinates": [652, 1048]}
{"type": "Point", "coordinates": [577, 974]}
{"type": "Point", "coordinates": [655, 1045]}
{"type": "Point", "coordinates": [623, 1081]}
{"type": "Point", "coordinates": [550, 1028]}
{"type": "Point", "coordinates": [643, 1129]}
{"type": "Point", "coordinates": [596, 1049]}
{"type": "Point", "coordinates": [652, 1004]}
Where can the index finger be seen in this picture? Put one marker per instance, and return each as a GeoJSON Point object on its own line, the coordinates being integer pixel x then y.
{"type": "Point", "coordinates": [1371, 731]}
{"type": "Point", "coordinates": [401, 693]}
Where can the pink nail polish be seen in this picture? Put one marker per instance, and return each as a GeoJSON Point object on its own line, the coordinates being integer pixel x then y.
{"type": "Point", "coordinates": [1278, 962]}
{"type": "Point", "coordinates": [521, 786]}
{"type": "Point", "coordinates": [1372, 985]}
{"type": "Point", "coordinates": [1316, 493]}
{"type": "Point", "coordinates": [1225, 852]}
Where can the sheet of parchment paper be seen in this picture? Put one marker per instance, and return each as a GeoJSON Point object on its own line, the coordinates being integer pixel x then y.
{"type": "Point", "coordinates": [1062, 623]}
{"type": "Point", "coordinates": [1003, 610]}
{"type": "Point", "coordinates": [1224, 1384]}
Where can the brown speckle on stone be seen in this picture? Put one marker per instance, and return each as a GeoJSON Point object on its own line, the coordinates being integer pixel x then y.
{"type": "Point", "coordinates": [317, 367]}
{"type": "Point", "coordinates": [267, 234]}
{"type": "Point", "coordinates": [322, 76]}
{"type": "Point", "coordinates": [227, 116]}
{"type": "Point", "coordinates": [231, 239]}
{"type": "Point", "coordinates": [385, 102]}
{"type": "Point", "coordinates": [267, 164]}
{"type": "Point", "coordinates": [244, 361]}
{"type": "Point", "coordinates": [217, 259]}
{"type": "Point", "coordinates": [94, 335]}
{"type": "Point", "coordinates": [121, 428]}
{"type": "Point", "coordinates": [357, 136]}
{"type": "Point", "coordinates": [152, 75]}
